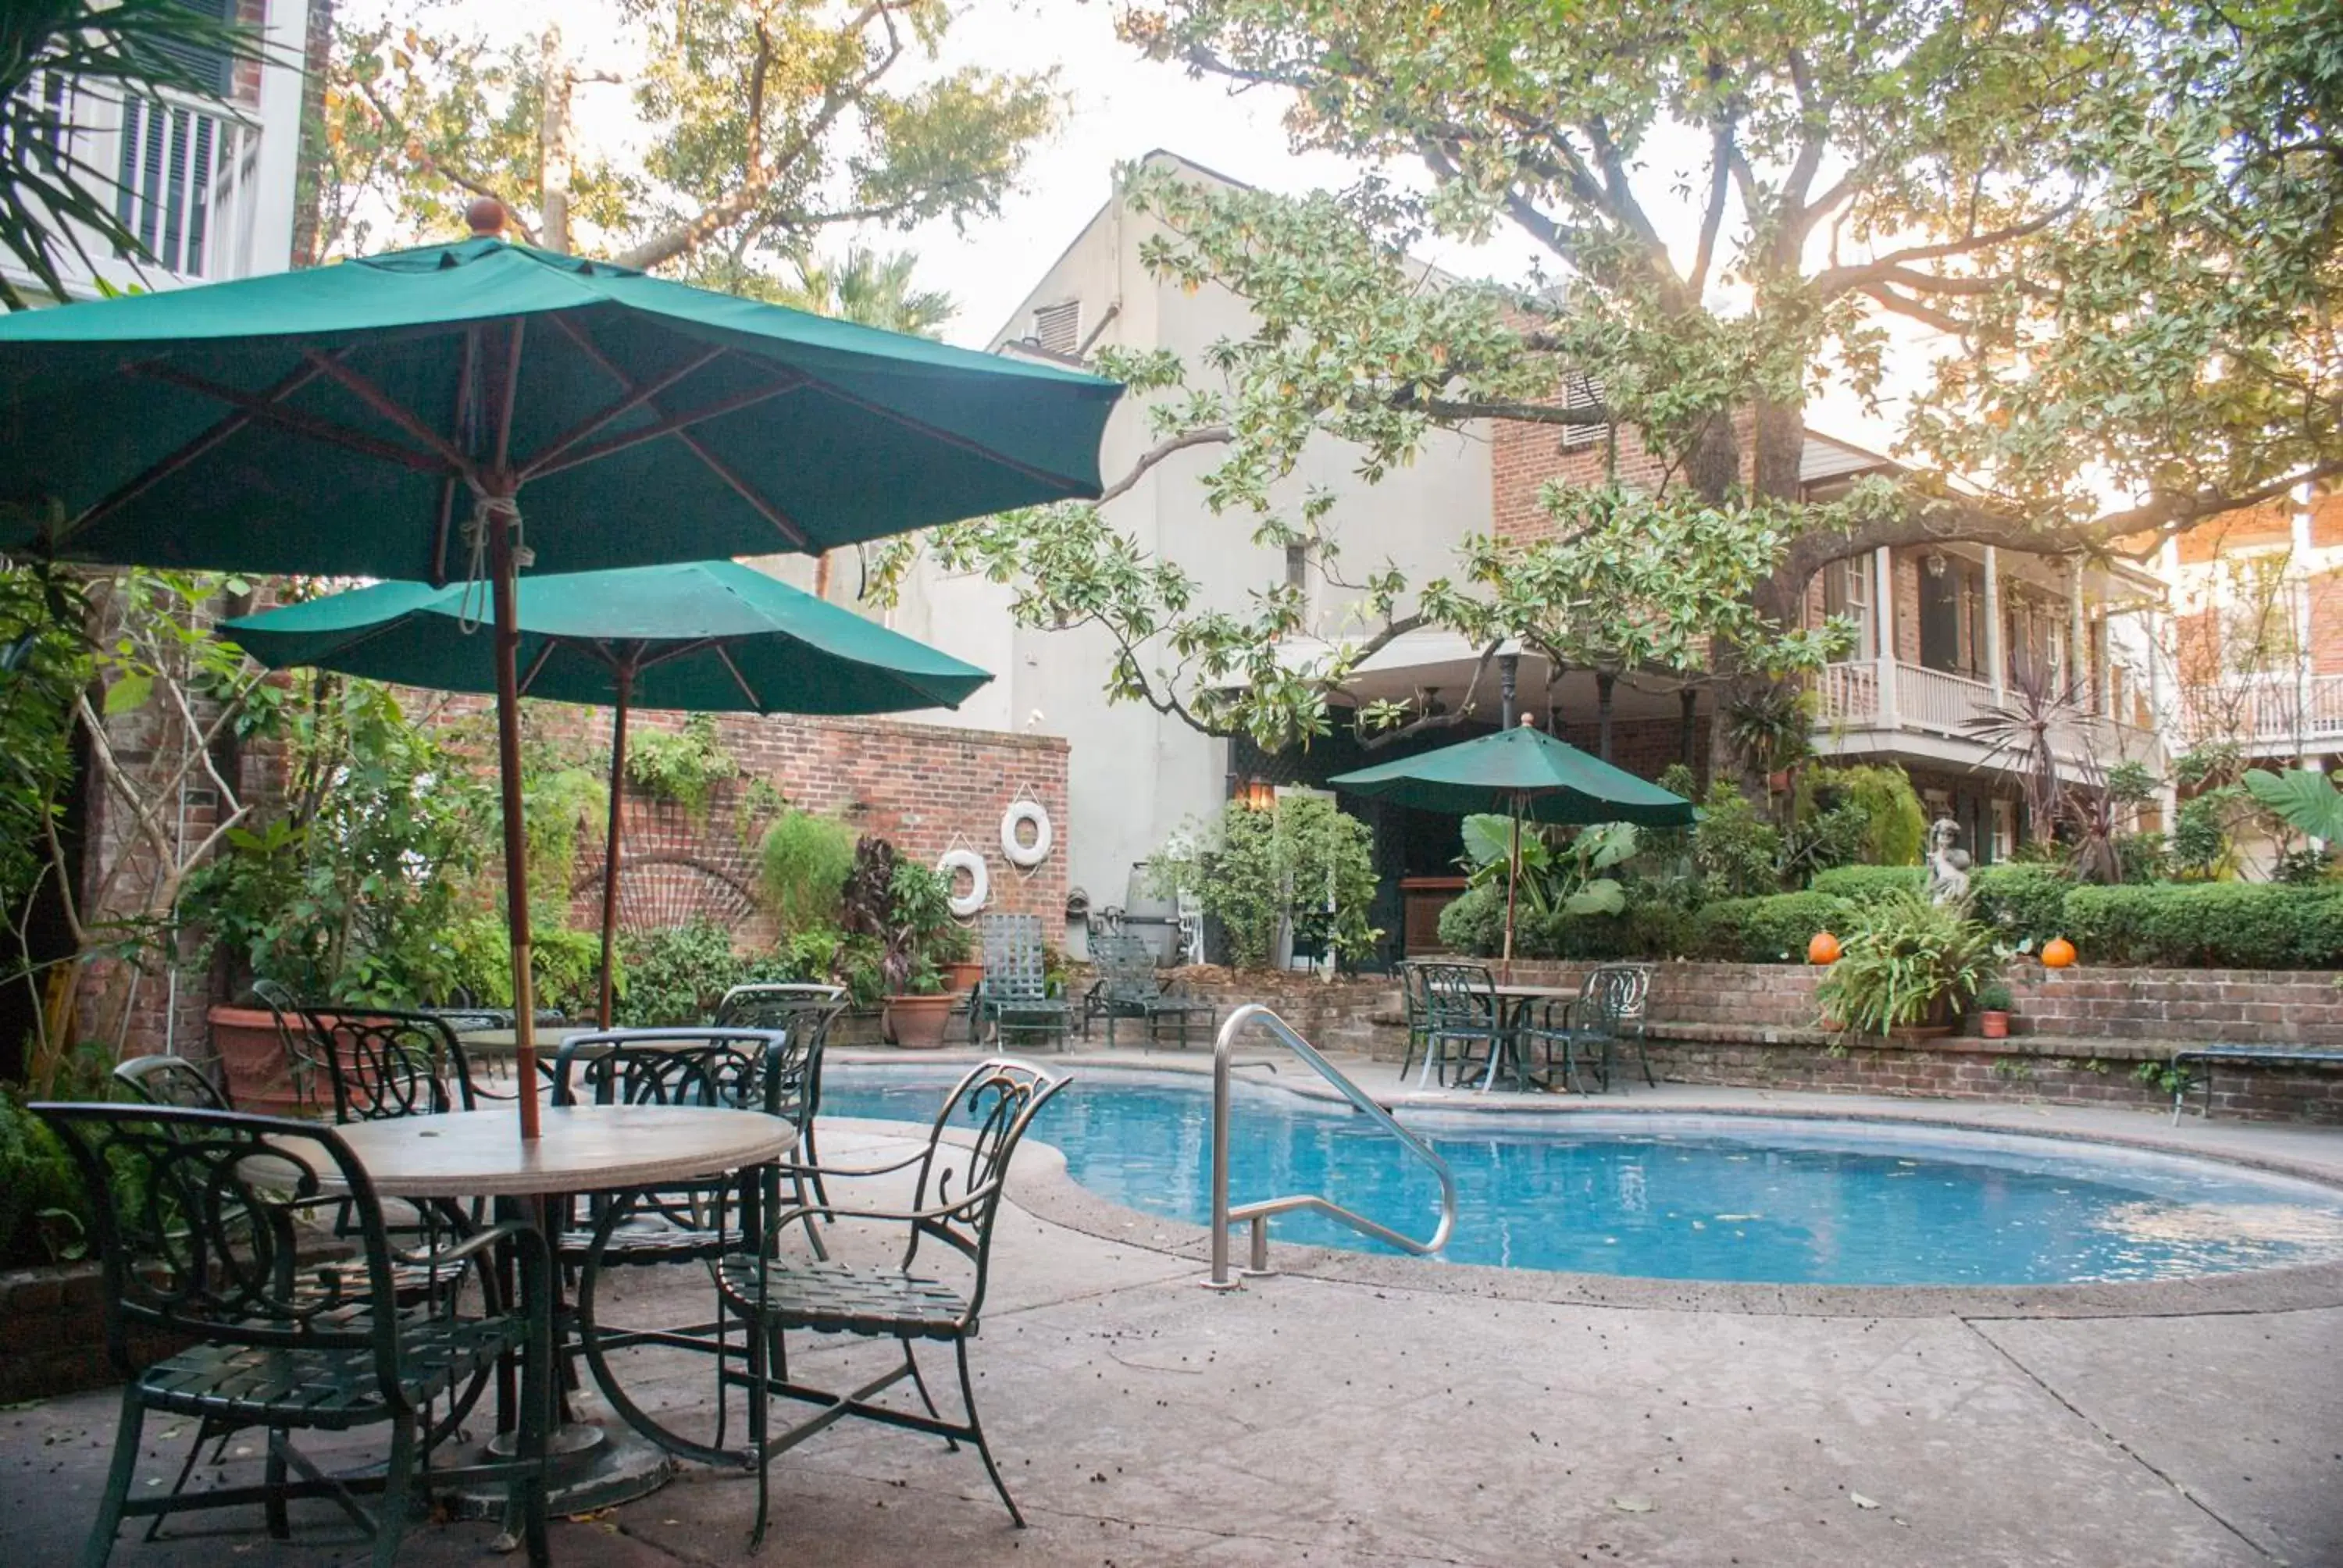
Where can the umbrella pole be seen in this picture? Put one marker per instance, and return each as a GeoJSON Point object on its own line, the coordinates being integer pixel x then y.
{"type": "Point", "coordinates": [626, 678]}
{"type": "Point", "coordinates": [503, 575]}
{"type": "Point", "coordinates": [1512, 883]}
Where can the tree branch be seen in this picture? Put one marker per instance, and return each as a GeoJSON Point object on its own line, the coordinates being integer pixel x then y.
{"type": "Point", "coordinates": [1206, 435]}
{"type": "Point", "coordinates": [457, 177]}
{"type": "Point", "coordinates": [1839, 280]}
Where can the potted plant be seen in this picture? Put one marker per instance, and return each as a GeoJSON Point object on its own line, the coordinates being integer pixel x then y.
{"type": "Point", "coordinates": [1904, 965]}
{"type": "Point", "coordinates": [954, 954]}
{"type": "Point", "coordinates": [907, 909]}
{"type": "Point", "coordinates": [1993, 1009]}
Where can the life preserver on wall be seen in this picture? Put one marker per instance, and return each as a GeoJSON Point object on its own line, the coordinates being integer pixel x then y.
{"type": "Point", "coordinates": [979, 886]}
{"type": "Point", "coordinates": [1020, 852]}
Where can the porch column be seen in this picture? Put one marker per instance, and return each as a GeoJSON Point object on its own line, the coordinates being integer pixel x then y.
{"type": "Point", "coordinates": [1509, 671]}
{"type": "Point", "coordinates": [2078, 647]}
{"type": "Point", "coordinates": [1994, 669]}
{"type": "Point", "coordinates": [1883, 569]}
{"type": "Point", "coordinates": [1602, 681]}
{"type": "Point", "coordinates": [1686, 699]}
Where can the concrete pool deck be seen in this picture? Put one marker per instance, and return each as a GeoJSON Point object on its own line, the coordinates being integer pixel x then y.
{"type": "Point", "coordinates": [1395, 1414]}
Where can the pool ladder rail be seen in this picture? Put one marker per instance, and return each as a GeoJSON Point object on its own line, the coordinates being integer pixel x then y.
{"type": "Point", "coordinates": [1258, 1215]}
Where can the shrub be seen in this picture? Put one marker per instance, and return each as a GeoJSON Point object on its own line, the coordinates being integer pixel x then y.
{"type": "Point", "coordinates": [1891, 823]}
{"type": "Point", "coordinates": [1768, 931]}
{"type": "Point", "coordinates": [1738, 853]}
{"type": "Point", "coordinates": [1867, 882]}
{"type": "Point", "coordinates": [683, 766]}
{"type": "Point", "coordinates": [802, 865]}
{"type": "Point", "coordinates": [44, 1213]}
{"type": "Point", "coordinates": [1994, 997]}
{"type": "Point", "coordinates": [677, 976]}
{"type": "Point", "coordinates": [2224, 925]}
{"type": "Point", "coordinates": [2025, 904]}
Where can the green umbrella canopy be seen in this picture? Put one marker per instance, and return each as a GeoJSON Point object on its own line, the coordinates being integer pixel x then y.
{"type": "Point", "coordinates": [706, 636]}
{"type": "Point", "coordinates": [345, 420]}
{"type": "Point", "coordinates": [1551, 780]}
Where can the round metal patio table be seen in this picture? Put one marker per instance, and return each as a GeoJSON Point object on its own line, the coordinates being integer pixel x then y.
{"type": "Point", "coordinates": [583, 1149]}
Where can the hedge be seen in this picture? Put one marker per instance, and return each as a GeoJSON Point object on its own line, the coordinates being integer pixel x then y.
{"type": "Point", "coordinates": [1771, 929]}
{"type": "Point", "coordinates": [2208, 925]}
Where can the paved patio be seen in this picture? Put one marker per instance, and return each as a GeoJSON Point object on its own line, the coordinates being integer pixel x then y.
{"type": "Point", "coordinates": [1386, 1411]}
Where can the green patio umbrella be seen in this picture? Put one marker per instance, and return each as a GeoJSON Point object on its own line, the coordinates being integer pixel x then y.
{"type": "Point", "coordinates": [1524, 773]}
{"type": "Point", "coordinates": [703, 637]}
{"type": "Point", "coordinates": [395, 417]}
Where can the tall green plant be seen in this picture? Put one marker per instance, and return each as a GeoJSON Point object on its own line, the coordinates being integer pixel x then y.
{"type": "Point", "coordinates": [1900, 955]}
{"type": "Point", "coordinates": [802, 864]}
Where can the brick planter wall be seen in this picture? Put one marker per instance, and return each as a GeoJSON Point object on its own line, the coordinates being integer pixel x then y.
{"type": "Point", "coordinates": [55, 1338]}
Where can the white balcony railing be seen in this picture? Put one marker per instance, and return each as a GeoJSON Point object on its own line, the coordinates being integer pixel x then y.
{"type": "Point", "coordinates": [1890, 695]}
{"type": "Point", "coordinates": [2282, 713]}
{"type": "Point", "coordinates": [183, 171]}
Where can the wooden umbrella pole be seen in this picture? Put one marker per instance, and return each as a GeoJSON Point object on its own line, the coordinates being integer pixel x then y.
{"type": "Point", "coordinates": [1512, 885]}
{"type": "Point", "coordinates": [503, 573]}
{"type": "Point", "coordinates": [625, 674]}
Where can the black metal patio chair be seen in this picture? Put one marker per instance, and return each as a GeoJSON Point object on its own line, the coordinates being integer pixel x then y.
{"type": "Point", "coordinates": [796, 1007]}
{"type": "Point", "coordinates": [1013, 998]}
{"type": "Point", "coordinates": [1413, 1008]}
{"type": "Point", "coordinates": [1466, 1027]}
{"type": "Point", "coordinates": [773, 1072]}
{"type": "Point", "coordinates": [1129, 986]}
{"type": "Point", "coordinates": [163, 1080]}
{"type": "Point", "coordinates": [382, 1062]}
{"type": "Point", "coordinates": [1608, 1012]}
{"type": "Point", "coordinates": [955, 1206]}
{"type": "Point", "coordinates": [199, 1220]}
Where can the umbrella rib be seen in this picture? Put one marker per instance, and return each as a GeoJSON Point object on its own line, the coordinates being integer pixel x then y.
{"type": "Point", "coordinates": [667, 424]}
{"type": "Point", "coordinates": [437, 571]}
{"type": "Point", "coordinates": [644, 661]}
{"type": "Point", "coordinates": [543, 461]}
{"type": "Point", "coordinates": [764, 508]}
{"type": "Point", "coordinates": [725, 658]}
{"type": "Point", "coordinates": [536, 665]}
{"type": "Point", "coordinates": [190, 453]}
{"type": "Point", "coordinates": [301, 424]}
{"type": "Point", "coordinates": [390, 408]}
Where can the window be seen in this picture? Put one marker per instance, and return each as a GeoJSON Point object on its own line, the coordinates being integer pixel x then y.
{"type": "Point", "coordinates": [1058, 328]}
{"type": "Point", "coordinates": [1581, 392]}
{"type": "Point", "coordinates": [2004, 830]}
{"type": "Point", "coordinates": [1846, 591]}
{"type": "Point", "coordinates": [1297, 567]}
{"type": "Point", "coordinates": [212, 67]}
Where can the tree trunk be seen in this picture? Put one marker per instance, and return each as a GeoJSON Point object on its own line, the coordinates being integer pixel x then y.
{"type": "Point", "coordinates": [1778, 438]}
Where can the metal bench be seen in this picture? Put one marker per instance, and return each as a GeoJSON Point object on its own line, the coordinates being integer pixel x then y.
{"type": "Point", "coordinates": [2279, 1055]}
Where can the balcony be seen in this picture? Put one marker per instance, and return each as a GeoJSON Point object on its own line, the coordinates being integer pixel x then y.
{"type": "Point", "coordinates": [2280, 715]}
{"type": "Point", "coordinates": [185, 173]}
{"type": "Point", "coordinates": [1885, 706]}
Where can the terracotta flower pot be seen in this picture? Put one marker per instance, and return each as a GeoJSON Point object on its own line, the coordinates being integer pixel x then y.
{"type": "Point", "coordinates": [917, 1023]}
{"type": "Point", "coordinates": [260, 1079]}
{"type": "Point", "coordinates": [1993, 1025]}
{"type": "Point", "coordinates": [961, 979]}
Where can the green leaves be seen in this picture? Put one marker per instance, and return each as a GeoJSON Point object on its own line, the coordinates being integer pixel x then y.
{"type": "Point", "coordinates": [2308, 802]}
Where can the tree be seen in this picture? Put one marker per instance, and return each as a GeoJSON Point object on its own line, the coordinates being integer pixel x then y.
{"type": "Point", "coordinates": [761, 122]}
{"type": "Point", "coordinates": [873, 290]}
{"type": "Point", "coordinates": [2125, 217]}
{"type": "Point", "coordinates": [52, 202]}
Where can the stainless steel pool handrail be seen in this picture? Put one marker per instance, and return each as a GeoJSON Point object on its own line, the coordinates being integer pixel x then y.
{"type": "Point", "coordinates": [1259, 1213]}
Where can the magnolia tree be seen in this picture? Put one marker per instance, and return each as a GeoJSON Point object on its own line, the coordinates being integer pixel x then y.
{"type": "Point", "coordinates": [2122, 221]}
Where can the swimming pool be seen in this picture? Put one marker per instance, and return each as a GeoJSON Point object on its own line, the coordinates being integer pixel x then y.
{"type": "Point", "coordinates": [1675, 1196]}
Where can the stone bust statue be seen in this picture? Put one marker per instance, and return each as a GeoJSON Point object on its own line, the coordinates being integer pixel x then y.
{"type": "Point", "coordinates": [1949, 867]}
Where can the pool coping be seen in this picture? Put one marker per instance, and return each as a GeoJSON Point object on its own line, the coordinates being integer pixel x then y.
{"type": "Point", "coordinates": [1042, 1185]}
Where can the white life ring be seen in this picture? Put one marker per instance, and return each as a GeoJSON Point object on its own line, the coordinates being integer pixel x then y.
{"type": "Point", "coordinates": [979, 886]}
{"type": "Point", "coordinates": [1021, 853]}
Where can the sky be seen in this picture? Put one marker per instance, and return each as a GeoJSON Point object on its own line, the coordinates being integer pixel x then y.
{"type": "Point", "coordinates": [1119, 106]}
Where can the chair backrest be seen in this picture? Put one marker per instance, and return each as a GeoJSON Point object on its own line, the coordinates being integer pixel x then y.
{"type": "Point", "coordinates": [1630, 991]}
{"type": "Point", "coordinates": [1012, 958]}
{"type": "Point", "coordinates": [171, 1081]}
{"type": "Point", "coordinates": [304, 1057]}
{"type": "Point", "coordinates": [780, 1005]}
{"type": "Point", "coordinates": [197, 1215]}
{"type": "Point", "coordinates": [766, 1070]}
{"type": "Point", "coordinates": [960, 1182]}
{"type": "Point", "coordinates": [1459, 996]}
{"type": "Point", "coordinates": [1411, 993]}
{"type": "Point", "coordinates": [1126, 967]}
{"type": "Point", "coordinates": [384, 1064]}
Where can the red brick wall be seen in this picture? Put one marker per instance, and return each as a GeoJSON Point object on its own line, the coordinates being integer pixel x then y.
{"type": "Point", "coordinates": [1644, 747]}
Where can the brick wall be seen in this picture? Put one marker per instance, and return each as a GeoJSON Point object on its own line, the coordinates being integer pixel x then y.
{"type": "Point", "coordinates": [1644, 747]}
{"type": "Point", "coordinates": [925, 788]}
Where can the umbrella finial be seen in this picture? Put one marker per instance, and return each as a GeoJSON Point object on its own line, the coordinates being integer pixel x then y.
{"type": "Point", "coordinates": [487, 217]}
{"type": "Point", "coordinates": [1529, 721]}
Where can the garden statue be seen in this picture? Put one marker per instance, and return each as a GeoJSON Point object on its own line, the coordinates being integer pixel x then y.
{"type": "Point", "coordinates": [1948, 866]}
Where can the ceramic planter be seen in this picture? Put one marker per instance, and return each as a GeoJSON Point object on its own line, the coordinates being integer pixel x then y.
{"type": "Point", "coordinates": [1993, 1025]}
{"type": "Point", "coordinates": [260, 1079]}
{"type": "Point", "coordinates": [918, 1022]}
{"type": "Point", "coordinates": [961, 979]}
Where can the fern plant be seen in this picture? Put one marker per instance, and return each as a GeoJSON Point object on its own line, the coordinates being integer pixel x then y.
{"type": "Point", "coordinates": [682, 765]}
{"type": "Point", "coordinates": [1900, 956]}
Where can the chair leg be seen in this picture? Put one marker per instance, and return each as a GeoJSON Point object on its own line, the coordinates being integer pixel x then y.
{"type": "Point", "coordinates": [976, 1435]}
{"type": "Point", "coordinates": [209, 1430]}
{"type": "Point", "coordinates": [760, 1373]}
{"type": "Point", "coordinates": [1644, 1057]}
{"type": "Point", "coordinates": [118, 1474]}
{"type": "Point", "coordinates": [272, 1477]}
{"type": "Point", "coordinates": [951, 1444]}
{"type": "Point", "coordinates": [390, 1522]}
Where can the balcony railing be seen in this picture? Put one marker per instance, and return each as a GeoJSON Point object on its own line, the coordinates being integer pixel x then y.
{"type": "Point", "coordinates": [1889, 695]}
{"type": "Point", "coordinates": [2269, 713]}
{"type": "Point", "coordinates": [183, 171]}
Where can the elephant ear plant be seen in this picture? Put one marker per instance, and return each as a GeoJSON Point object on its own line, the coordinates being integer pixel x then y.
{"type": "Point", "coordinates": [1903, 961]}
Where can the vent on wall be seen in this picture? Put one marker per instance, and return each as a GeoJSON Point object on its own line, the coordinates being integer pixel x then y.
{"type": "Point", "coordinates": [1058, 328]}
{"type": "Point", "coordinates": [1581, 392]}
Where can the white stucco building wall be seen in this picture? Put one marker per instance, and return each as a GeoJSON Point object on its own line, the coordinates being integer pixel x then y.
{"type": "Point", "coordinates": [1136, 776]}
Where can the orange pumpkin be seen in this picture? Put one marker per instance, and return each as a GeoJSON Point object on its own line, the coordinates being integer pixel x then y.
{"type": "Point", "coordinates": [1823, 950]}
{"type": "Point", "coordinates": [2058, 953]}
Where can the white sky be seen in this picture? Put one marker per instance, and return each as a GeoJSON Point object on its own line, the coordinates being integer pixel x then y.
{"type": "Point", "coordinates": [1119, 106]}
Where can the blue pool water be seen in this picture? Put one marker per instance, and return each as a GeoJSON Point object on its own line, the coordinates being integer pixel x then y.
{"type": "Point", "coordinates": [1676, 1196]}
